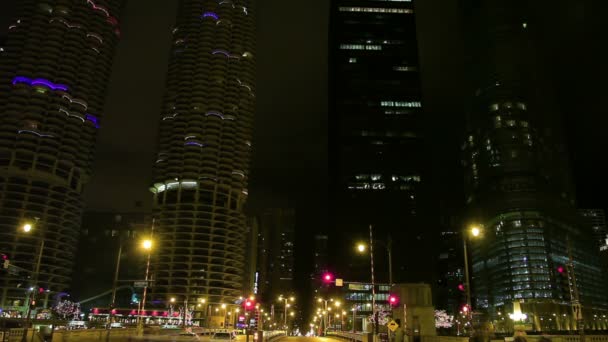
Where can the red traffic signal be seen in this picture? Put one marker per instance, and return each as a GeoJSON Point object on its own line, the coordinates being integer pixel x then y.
{"type": "Point", "coordinates": [5, 262]}
{"type": "Point", "coordinates": [461, 287]}
{"type": "Point", "coordinates": [560, 269]}
{"type": "Point", "coordinates": [393, 300]}
{"type": "Point", "coordinates": [328, 277]}
{"type": "Point", "coordinates": [249, 304]}
{"type": "Point", "coordinates": [465, 308]}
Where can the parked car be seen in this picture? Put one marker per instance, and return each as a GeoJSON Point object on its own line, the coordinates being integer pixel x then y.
{"type": "Point", "coordinates": [223, 336]}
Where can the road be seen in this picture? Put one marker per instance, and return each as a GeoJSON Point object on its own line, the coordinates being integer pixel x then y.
{"type": "Point", "coordinates": [240, 338]}
{"type": "Point", "coordinates": [309, 339]}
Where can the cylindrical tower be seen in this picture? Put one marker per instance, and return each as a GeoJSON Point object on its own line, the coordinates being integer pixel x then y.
{"type": "Point", "coordinates": [201, 172]}
{"type": "Point", "coordinates": [53, 76]}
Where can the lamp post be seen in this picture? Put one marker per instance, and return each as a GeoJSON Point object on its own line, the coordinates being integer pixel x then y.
{"type": "Point", "coordinates": [325, 313]}
{"type": "Point", "coordinates": [286, 305]}
{"type": "Point", "coordinates": [474, 231]}
{"type": "Point", "coordinates": [361, 248]}
{"type": "Point", "coordinates": [32, 300]}
{"type": "Point", "coordinates": [147, 245]}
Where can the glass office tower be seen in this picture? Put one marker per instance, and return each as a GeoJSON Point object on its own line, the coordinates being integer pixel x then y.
{"type": "Point", "coordinates": [377, 154]}
{"type": "Point", "coordinates": [534, 246]}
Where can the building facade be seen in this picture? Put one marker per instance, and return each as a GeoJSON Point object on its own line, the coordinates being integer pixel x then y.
{"type": "Point", "coordinates": [202, 168]}
{"type": "Point", "coordinates": [276, 252]}
{"type": "Point", "coordinates": [101, 236]}
{"type": "Point", "coordinates": [356, 304]}
{"type": "Point", "coordinates": [320, 255]}
{"type": "Point", "coordinates": [54, 69]}
{"type": "Point", "coordinates": [518, 189]}
{"type": "Point", "coordinates": [595, 220]}
{"type": "Point", "coordinates": [377, 153]}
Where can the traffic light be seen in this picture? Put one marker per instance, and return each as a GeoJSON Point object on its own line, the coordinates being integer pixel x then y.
{"type": "Point", "coordinates": [249, 304]}
{"type": "Point", "coordinates": [393, 300]}
{"type": "Point", "coordinates": [328, 278]}
{"type": "Point", "coordinates": [33, 304]}
{"type": "Point", "coordinates": [561, 269]}
{"type": "Point", "coordinates": [461, 287]}
{"type": "Point", "coordinates": [465, 309]}
{"type": "Point", "coordinates": [5, 262]}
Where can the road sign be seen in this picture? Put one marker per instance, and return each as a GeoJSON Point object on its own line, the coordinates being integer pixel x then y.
{"type": "Point", "coordinates": [392, 325]}
{"type": "Point", "coordinates": [339, 282]}
{"type": "Point", "coordinates": [140, 283]}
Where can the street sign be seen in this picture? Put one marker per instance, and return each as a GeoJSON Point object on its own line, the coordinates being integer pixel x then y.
{"type": "Point", "coordinates": [392, 325]}
{"type": "Point", "coordinates": [140, 283]}
{"type": "Point", "coordinates": [339, 282]}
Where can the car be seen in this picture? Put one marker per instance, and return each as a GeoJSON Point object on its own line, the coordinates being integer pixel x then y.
{"type": "Point", "coordinates": [223, 336]}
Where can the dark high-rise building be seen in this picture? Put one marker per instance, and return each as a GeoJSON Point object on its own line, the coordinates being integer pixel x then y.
{"type": "Point", "coordinates": [54, 70]}
{"type": "Point", "coordinates": [277, 266]}
{"type": "Point", "coordinates": [202, 168]}
{"type": "Point", "coordinates": [377, 154]}
{"type": "Point", "coordinates": [320, 254]}
{"type": "Point", "coordinates": [251, 284]}
{"type": "Point", "coordinates": [595, 219]}
{"type": "Point", "coordinates": [449, 290]}
{"type": "Point", "coordinates": [101, 236]}
{"type": "Point", "coordinates": [517, 183]}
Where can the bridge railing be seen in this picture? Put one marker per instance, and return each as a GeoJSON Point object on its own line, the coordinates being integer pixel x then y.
{"type": "Point", "coordinates": [269, 335]}
{"type": "Point", "coordinates": [362, 337]}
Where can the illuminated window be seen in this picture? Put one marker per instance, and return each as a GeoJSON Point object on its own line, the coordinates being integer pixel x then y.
{"type": "Point", "coordinates": [360, 47]}
{"type": "Point", "coordinates": [416, 104]}
{"type": "Point", "coordinates": [352, 60]}
{"type": "Point", "coordinates": [404, 68]}
{"type": "Point", "coordinates": [375, 10]}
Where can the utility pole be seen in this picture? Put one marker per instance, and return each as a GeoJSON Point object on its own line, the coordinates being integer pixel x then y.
{"type": "Point", "coordinates": [577, 309]}
{"type": "Point", "coordinates": [371, 258]}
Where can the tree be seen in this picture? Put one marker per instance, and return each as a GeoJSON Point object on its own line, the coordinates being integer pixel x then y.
{"type": "Point", "coordinates": [383, 317]}
{"type": "Point", "coordinates": [443, 320]}
{"type": "Point", "coordinates": [66, 309]}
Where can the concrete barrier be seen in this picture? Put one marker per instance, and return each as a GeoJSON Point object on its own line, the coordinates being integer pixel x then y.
{"type": "Point", "coordinates": [362, 337]}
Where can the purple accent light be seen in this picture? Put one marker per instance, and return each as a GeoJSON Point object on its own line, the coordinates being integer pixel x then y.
{"type": "Point", "coordinates": [194, 143]}
{"type": "Point", "coordinates": [39, 82]}
{"type": "Point", "coordinates": [223, 52]}
{"type": "Point", "coordinates": [93, 119]}
{"type": "Point", "coordinates": [211, 15]}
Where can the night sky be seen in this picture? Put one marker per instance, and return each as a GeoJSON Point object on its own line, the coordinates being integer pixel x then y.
{"type": "Point", "coordinates": [290, 140]}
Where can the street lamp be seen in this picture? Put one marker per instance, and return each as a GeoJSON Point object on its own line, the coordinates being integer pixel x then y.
{"type": "Point", "coordinates": [285, 299]}
{"type": "Point", "coordinates": [324, 312]}
{"type": "Point", "coordinates": [27, 227]}
{"type": "Point", "coordinates": [147, 245]}
{"type": "Point", "coordinates": [474, 231]}
{"type": "Point", "coordinates": [361, 248]}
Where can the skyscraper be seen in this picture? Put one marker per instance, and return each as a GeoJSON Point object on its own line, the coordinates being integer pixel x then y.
{"type": "Point", "coordinates": [595, 219]}
{"type": "Point", "coordinates": [54, 70]}
{"type": "Point", "coordinates": [202, 169]}
{"type": "Point", "coordinates": [533, 244]}
{"type": "Point", "coordinates": [276, 252]}
{"type": "Point", "coordinates": [377, 154]}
